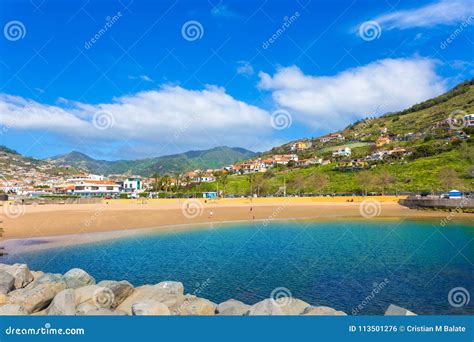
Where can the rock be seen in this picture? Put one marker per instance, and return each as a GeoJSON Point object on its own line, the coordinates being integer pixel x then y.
{"type": "Point", "coordinates": [172, 287]}
{"type": "Point", "coordinates": [394, 310]}
{"type": "Point", "coordinates": [3, 299]}
{"type": "Point", "coordinates": [63, 304]}
{"type": "Point", "coordinates": [12, 310]}
{"type": "Point", "coordinates": [37, 298]}
{"type": "Point", "coordinates": [106, 312]}
{"type": "Point", "coordinates": [85, 307]}
{"type": "Point", "coordinates": [195, 306]}
{"type": "Point", "coordinates": [283, 306]}
{"type": "Point", "coordinates": [47, 278]}
{"type": "Point", "coordinates": [7, 282]}
{"type": "Point", "coordinates": [171, 296]}
{"type": "Point", "coordinates": [77, 277]}
{"type": "Point", "coordinates": [36, 274]}
{"type": "Point", "coordinates": [232, 307]}
{"type": "Point", "coordinates": [120, 291]}
{"type": "Point", "coordinates": [150, 307]}
{"type": "Point", "coordinates": [85, 294]}
{"type": "Point", "coordinates": [20, 272]}
{"type": "Point", "coordinates": [322, 311]}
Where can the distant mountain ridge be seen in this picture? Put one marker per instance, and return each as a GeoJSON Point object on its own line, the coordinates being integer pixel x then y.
{"type": "Point", "coordinates": [204, 159]}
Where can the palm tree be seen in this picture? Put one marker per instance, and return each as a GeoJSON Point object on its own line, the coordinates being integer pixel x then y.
{"type": "Point", "coordinates": [251, 178]}
{"type": "Point", "coordinates": [156, 182]}
{"type": "Point", "coordinates": [177, 184]}
{"type": "Point", "coordinates": [165, 180]}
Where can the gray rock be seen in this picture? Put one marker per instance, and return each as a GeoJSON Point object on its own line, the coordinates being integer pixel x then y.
{"type": "Point", "coordinates": [150, 307]}
{"type": "Point", "coordinates": [63, 304]}
{"type": "Point", "coordinates": [85, 307]}
{"type": "Point", "coordinates": [77, 277]}
{"type": "Point", "coordinates": [85, 294]}
{"type": "Point", "coordinates": [322, 311]}
{"type": "Point", "coordinates": [170, 296]}
{"type": "Point", "coordinates": [120, 291]}
{"type": "Point", "coordinates": [20, 272]}
{"type": "Point", "coordinates": [7, 282]}
{"type": "Point", "coordinates": [195, 306]}
{"type": "Point", "coordinates": [283, 306]}
{"type": "Point", "coordinates": [47, 278]}
{"type": "Point", "coordinates": [12, 310]}
{"type": "Point", "coordinates": [232, 307]}
{"type": "Point", "coordinates": [394, 310]}
{"type": "Point", "coordinates": [37, 298]}
{"type": "Point", "coordinates": [106, 312]}
{"type": "Point", "coordinates": [171, 287]}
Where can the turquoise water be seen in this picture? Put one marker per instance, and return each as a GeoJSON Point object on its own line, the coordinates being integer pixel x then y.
{"type": "Point", "coordinates": [328, 263]}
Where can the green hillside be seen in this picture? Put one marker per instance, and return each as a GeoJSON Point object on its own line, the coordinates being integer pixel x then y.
{"type": "Point", "coordinates": [438, 156]}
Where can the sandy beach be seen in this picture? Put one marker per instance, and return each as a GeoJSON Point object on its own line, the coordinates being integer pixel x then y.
{"type": "Point", "coordinates": [115, 215]}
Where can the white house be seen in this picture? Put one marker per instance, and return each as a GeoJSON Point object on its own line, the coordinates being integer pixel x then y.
{"type": "Point", "coordinates": [94, 188]}
{"type": "Point", "coordinates": [133, 184]}
{"type": "Point", "coordinates": [342, 152]}
{"type": "Point", "coordinates": [469, 120]}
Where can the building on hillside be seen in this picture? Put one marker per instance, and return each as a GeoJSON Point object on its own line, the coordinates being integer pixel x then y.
{"type": "Point", "coordinates": [469, 120]}
{"type": "Point", "coordinates": [132, 184]}
{"type": "Point", "coordinates": [342, 152]}
{"type": "Point", "coordinates": [284, 159]}
{"type": "Point", "coordinates": [301, 145]}
{"type": "Point", "coordinates": [382, 140]}
{"type": "Point", "coordinates": [331, 137]}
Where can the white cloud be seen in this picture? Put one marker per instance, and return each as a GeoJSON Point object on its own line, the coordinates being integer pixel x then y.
{"type": "Point", "coordinates": [190, 119]}
{"type": "Point", "coordinates": [335, 101]}
{"type": "Point", "coordinates": [245, 68]}
{"type": "Point", "coordinates": [444, 12]}
{"type": "Point", "coordinates": [145, 78]}
{"type": "Point", "coordinates": [222, 11]}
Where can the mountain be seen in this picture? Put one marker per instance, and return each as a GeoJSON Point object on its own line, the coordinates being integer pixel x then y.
{"type": "Point", "coordinates": [191, 160]}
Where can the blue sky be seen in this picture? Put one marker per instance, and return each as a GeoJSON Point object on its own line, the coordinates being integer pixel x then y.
{"type": "Point", "coordinates": [131, 79]}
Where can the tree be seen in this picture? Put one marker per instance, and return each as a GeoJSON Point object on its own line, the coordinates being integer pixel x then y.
{"type": "Point", "coordinates": [221, 178]}
{"type": "Point", "coordinates": [297, 183]}
{"type": "Point", "coordinates": [250, 179]}
{"type": "Point", "coordinates": [259, 183]}
{"type": "Point", "coordinates": [318, 181]}
{"type": "Point", "coordinates": [177, 183]}
{"type": "Point", "coordinates": [365, 180]}
{"type": "Point", "coordinates": [385, 179]}
{"type": "Point", "coordinates": [156, 182]}
{"type": "Point", "coordinates": [448, 178]}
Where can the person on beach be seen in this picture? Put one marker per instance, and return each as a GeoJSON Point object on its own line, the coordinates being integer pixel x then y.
{"type": "Point", "coordinates": [211, 213]}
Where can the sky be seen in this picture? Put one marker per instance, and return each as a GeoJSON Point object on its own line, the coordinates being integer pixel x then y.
{"type": "Point", "coordinates": [129, 79]}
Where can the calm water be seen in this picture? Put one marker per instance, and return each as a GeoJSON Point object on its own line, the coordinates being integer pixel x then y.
{"type": "Point", "coordinates": [330, 263]}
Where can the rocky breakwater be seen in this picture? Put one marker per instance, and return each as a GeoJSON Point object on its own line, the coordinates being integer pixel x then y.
{"type": "Point", "coordinates": [25, 292]}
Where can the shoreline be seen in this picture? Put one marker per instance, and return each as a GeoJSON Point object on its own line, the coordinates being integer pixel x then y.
{"type": "Point", "coordinates": [50, 226]}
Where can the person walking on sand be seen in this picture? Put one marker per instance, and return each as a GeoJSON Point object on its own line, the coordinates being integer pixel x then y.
{"type": "Point", "coordinates": [210, 214]}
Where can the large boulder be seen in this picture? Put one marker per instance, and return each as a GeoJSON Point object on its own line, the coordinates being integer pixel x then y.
{"type": "Point", "coordinates": [120, 290]}
{"type": "Point", "coordinates": [47, 278]}
{"type": "Point", "coordinates": [283, 306]}
{"type": "Point", "coordinates": [394, 310]}
{"type": "Point", "coordinates": [171, 296]}
{"type": "Point", "coordinates": [63, 304]}
{"type": "Point", "coordinates": [150, 307]}
{"type": "Point", "coordinates": [37, 298]}
{"type": "Point", "coordinates": [12, 310]}
{"type": "Point", "coordinates": [322, 311]}
{"type": "Point", "coordinates": [195, 306]}
{"type": "Point", "coordinates": [20, 272]}
{"type": "Point", "coordinates": [232, 307]}
{"type": "Point", "coordinates": [77, 277]}
{"type": "Point", "coordinates": [7, 282]}
{"type": "Point", "coordinates": [85, 294]}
